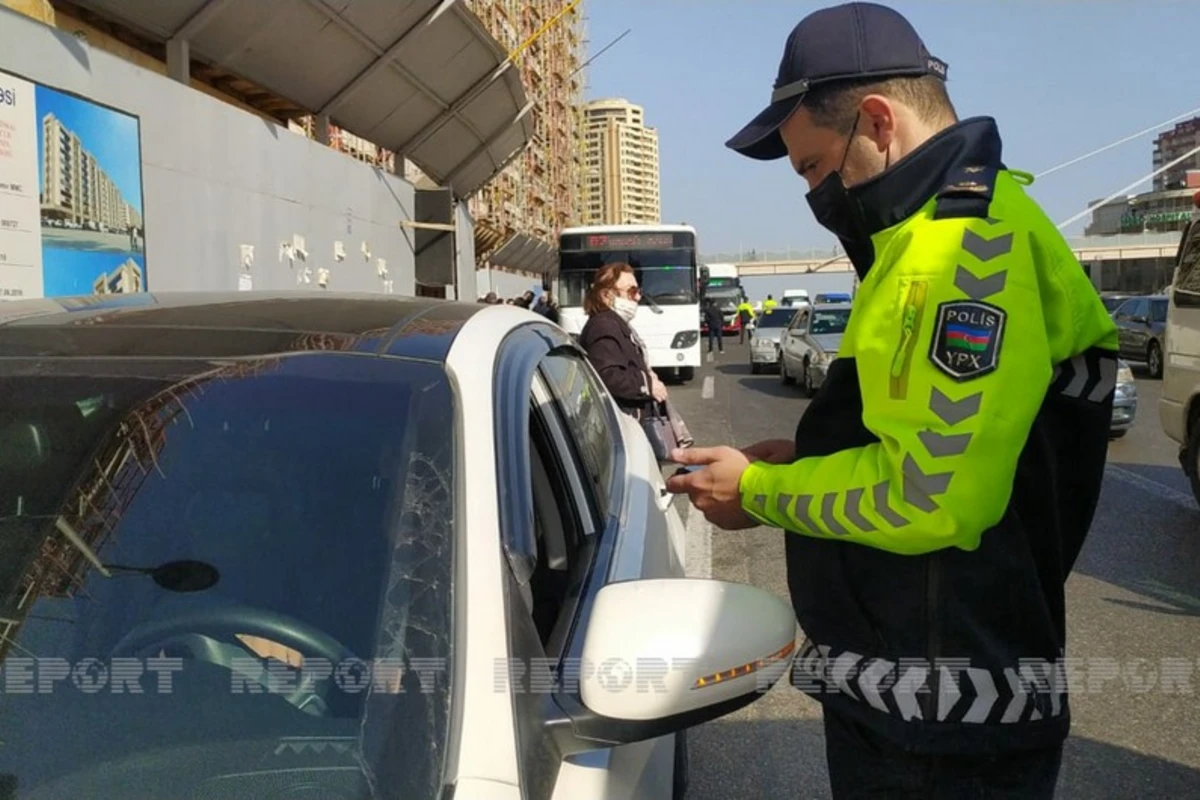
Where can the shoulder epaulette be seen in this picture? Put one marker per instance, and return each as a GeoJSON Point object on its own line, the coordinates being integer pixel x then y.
{"type": "Point", "coordinates": [967, 192]}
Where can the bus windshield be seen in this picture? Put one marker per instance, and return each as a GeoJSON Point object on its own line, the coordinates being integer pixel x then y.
{"type": "Point", "coordinates": [668, 277]}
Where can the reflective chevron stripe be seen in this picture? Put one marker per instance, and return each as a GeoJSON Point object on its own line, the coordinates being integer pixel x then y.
{"type": "Point", "coordinates": [1030, 691]}
{"type": "Point", "coordinates": [986, 249]}
{"type": "Point", "coordinates": [1093, 375]}
{"type": "Point", "coordinates": [979, 288]}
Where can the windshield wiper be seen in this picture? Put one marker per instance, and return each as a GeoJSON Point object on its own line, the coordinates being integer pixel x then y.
{"type": "Point", "coordinates": [655, 307]}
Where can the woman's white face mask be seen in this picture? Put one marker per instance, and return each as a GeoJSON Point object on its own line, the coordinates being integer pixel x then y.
{"type": "Point", "coordinates": [625, 307]}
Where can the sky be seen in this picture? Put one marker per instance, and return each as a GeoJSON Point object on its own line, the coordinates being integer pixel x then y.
{"type": "Point", "coordinates": [1061, 78]}
{"type": "Point", "coordinates": [110, 136]}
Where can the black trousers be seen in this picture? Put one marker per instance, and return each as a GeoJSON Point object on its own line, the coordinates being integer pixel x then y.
{"type": "Point", "coordinates": [715, 337]}
{"type": "Point", "coordinates": [862, 764]}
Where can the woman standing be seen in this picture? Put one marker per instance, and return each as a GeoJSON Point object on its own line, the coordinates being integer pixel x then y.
{"type": "Point", "coordinates": [614, 348]}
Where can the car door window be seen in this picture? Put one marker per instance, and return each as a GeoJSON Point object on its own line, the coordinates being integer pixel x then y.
{"type": "Point", "coordinates": [1158, 311]}
{"type": "Point", "coordinates": [581, 398]}
{"type": "Point", "coordinates": [1133, 309]}
{"type": "Point", "coordinates": [566, 449]}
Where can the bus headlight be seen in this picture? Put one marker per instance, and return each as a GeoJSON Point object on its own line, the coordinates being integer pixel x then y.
{"type": "Point", "coordinates": [685, 339]}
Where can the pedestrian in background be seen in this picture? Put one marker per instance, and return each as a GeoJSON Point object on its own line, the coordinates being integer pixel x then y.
{"type": "Point", "coordinates": [940, 485]}
{"type": "Point", "coordinates": [745, 312]}
{"type": "Point", "coordinates": [715, 321]}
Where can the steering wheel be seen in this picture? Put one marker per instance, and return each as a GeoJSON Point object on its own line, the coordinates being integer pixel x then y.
{"type": "Point", "coordinates": [210, 634]}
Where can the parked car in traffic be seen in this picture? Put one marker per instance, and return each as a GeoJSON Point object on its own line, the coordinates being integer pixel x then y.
{"type": "Point", "coordinates": [1179, 406]}
{"type": "Point", "coordinates": [1141, 322]}
{"type": "Point", "coordinates": [794, 298]}
{"type": "Point", "coordinates": [811, 343]}
{"type": "Point", "coordinates": [765, 338]}
{"type": "Point", "coordinates": [344, 547]}
{"type": "Point", "coordinates": [825, 298]}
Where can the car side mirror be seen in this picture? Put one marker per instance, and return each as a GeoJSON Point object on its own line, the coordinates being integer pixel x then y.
{"type": "Point", "coordinates": [663, 655]}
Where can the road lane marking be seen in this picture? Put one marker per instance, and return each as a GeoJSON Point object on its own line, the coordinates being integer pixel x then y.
{"type": "Point", "coordinates": [1152, 487]}
{"type": "Point", "coordinates": [706, 393]}
{"type": "Point", "coordinates": [710, 357]}
{"type": "Point", "coordinates": [697, 559]}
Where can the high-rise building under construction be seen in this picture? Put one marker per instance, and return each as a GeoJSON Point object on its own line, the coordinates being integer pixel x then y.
{"type": "Point", "coordinates": [541, 192]}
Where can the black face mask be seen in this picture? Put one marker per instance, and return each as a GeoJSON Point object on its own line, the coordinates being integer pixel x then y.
{"type": "Point", "coordinates": [838, 211]}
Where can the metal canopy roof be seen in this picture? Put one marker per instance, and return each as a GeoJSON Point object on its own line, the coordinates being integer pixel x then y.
{"type": "Point", "coordinates": [524, 252]}
{"type": "Point", "coordinates": [419, 77]}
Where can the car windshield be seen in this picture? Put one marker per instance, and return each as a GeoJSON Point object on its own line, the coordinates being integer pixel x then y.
{"type": "Point", "coordinates": [829, 321]}
{"type": "Point", "coordinates": [726, 299]}
{"type": "Point", "coordinates": [1111, 303]}
{"type": "Point", "coordinates": [225, 579]}
{"type": "Point", "coordinates": [775, 319]}
{"type": "Point", "coordinates": [664, 276]}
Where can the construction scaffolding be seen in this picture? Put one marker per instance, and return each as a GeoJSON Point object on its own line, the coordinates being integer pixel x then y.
{"type": "Point", "coordinates": [540, 193]}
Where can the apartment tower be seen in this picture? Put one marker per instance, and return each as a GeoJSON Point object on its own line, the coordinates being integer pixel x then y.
{"type": "Point", "coordinates": [1174, 144]}
{"type": "Point", "coordinates": [620, 165]}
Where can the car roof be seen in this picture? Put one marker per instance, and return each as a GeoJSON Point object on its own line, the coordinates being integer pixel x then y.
{"type": "Point", "coordinates": [231, 324]}
{"type": "Point", "coordinates": [834, 306]}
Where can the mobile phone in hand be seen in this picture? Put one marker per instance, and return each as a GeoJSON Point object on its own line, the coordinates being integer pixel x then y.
{"type": "Point", "coordinates": [687, 470]}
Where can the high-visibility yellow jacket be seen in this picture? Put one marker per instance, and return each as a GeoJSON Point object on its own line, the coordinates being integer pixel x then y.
{"type": "Point", "coordinates": [948, 470]}
{"type": "Point", "coordinates": [955, 332]}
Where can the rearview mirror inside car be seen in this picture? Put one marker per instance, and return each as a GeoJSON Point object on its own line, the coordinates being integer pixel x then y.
{"type": "Point", "coordinates": [663, 655]}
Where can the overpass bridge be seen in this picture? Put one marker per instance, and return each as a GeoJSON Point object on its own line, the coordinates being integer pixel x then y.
{"type": "Point", "coordinates": [1150, 250]}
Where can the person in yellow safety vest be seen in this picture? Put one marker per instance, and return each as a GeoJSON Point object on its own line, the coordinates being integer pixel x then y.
{"type": "Point", "coordinates": [769, 304]}
{"type": "Point", "coordinates": [940, 485]}
{"type": "Point", "coordinates": [745, 312]}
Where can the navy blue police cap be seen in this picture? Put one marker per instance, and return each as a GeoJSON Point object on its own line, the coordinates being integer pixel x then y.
{"type": "Point", "coordinates": [843, 43]}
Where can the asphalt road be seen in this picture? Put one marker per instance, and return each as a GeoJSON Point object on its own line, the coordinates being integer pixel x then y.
{"type": "Point", "coordinates": [1133, 601]}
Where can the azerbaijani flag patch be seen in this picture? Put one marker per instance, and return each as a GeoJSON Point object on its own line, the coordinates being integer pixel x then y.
{"type": "Point", "coordinates": [966, 341]}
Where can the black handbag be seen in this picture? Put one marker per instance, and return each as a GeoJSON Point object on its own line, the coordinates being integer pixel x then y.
{"type": "Point", "coordinates": [659, 431]}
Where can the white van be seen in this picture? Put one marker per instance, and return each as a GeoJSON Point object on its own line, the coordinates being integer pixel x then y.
{"type": "Point", "coordinates": [794, 298]}
{"type": "Point", "coordinates": [1179, 408]}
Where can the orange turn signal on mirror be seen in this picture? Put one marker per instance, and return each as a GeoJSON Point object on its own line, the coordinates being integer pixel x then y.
{"type": "Point", "coordinates": [745, 669]}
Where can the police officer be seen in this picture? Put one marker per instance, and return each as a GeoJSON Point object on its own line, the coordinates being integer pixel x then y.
{"type": "Point", "coordinates": [940, 486]}
{"type": "Point", "coordinates": [745, 312]}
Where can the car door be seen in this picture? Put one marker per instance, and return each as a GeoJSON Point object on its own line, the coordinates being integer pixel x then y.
{"type": "Point", "coordinates": [1139, 329]}
{"type": "Point", "coordinates": [1123, 316]}
{"type": "Point", "coordinates": [793, 342]}
{"type": "Point", "coordinates": [575, 485]}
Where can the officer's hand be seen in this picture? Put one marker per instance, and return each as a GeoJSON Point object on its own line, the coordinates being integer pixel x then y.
{"type": "Point", "coordinates": [772, 451]}
{"type": "Point", "coordinates": [714, 490]}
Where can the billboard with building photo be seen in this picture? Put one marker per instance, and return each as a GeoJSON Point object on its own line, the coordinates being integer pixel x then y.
{"type": "Point", "coordinates": [71, 216]}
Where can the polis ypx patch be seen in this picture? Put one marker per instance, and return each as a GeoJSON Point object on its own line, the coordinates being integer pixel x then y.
{"type": "Point", "coordinates": [967, 338]}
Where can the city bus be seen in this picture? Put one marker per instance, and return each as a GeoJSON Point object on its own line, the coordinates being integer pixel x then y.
{"type": "Point", "coordinates": [663, 258]}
